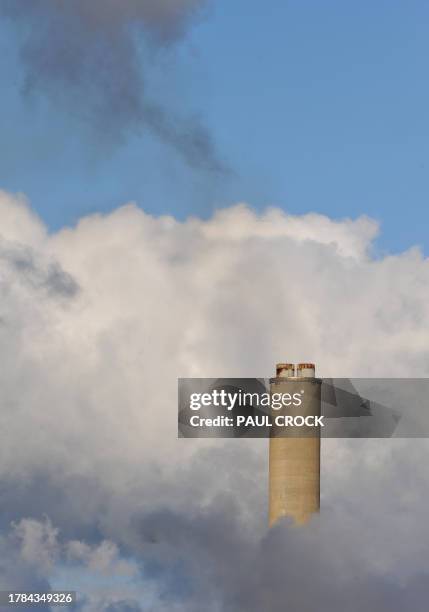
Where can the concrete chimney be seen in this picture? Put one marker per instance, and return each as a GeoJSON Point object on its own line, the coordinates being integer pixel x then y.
{"type": "Point", "coordinates": [294, 462]}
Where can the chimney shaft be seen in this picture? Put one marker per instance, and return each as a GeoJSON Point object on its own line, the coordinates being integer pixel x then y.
{"type": "Point", "coordinates": [294, 462]}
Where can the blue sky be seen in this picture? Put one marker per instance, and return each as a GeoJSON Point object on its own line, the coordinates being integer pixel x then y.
{"type": "Point", "coordinates": [314, 106]}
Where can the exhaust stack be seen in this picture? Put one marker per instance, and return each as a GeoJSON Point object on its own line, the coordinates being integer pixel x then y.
{"type": "Point", "coordinates": [294, 461]}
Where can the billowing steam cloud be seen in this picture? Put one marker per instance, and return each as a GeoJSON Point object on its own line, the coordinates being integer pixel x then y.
{"type": "Point", "coordinates": [85, 56]}
{"type": "Point", "coordinates": [96, 491]}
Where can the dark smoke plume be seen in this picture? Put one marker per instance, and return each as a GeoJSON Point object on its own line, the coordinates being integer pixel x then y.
{"type": "Point", "coordinates": [84, 55]}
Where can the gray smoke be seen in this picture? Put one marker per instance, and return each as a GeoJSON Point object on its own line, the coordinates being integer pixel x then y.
{"type": "Point", "coordinates": [227, 568]}
{"type": "Point", "coordinates": [85, 57]}
{"type": "Point", "coordinates": [25, 265]}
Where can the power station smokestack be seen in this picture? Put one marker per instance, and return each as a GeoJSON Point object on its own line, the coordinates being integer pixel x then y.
{"type": "Point", "coordinates": [294, 464]}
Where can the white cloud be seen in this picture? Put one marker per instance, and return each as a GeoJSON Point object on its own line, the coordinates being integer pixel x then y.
{"type": "Point", "coordinates": [104, 558]}
{"type": "Point", "coordinates": [89, 374]}
{"type": "Point", "coordinates": [348, 237]}
{"type": "Point", "coordinates": [18, 222]}
{"type": "Point", "coordinates": [38, 542]}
